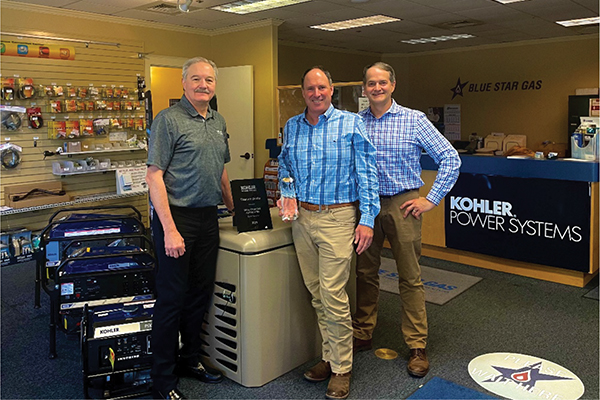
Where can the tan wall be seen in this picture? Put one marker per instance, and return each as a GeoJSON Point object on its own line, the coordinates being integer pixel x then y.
{"type": "Point", "coordinates": [344, 67]}
{"type": "Point", "coordinates": [561, 66]}
{"type": "Point", "coordinates": [256, 47]}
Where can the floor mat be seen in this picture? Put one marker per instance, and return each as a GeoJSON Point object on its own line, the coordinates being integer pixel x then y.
{"type": "Point", "coordinates": [438, 388]}
{"type": "Point", "coordinates": [440, 286]}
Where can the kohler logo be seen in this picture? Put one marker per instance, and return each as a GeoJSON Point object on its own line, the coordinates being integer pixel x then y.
{"type": "Point", "coordinates": [483, 206]}
{"type": "Point", "coordinates": [109, 330]}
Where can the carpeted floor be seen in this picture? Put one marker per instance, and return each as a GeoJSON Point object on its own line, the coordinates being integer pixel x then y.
{"type": "Point", "coordinates": [502, 313]}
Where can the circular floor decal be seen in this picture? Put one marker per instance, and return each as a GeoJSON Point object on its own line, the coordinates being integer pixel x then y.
{"type": "Point", "coordinates": [522, 377]}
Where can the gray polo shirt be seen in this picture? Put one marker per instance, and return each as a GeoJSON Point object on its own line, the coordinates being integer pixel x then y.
{"type": "Point", "coordinates": [192, 152]}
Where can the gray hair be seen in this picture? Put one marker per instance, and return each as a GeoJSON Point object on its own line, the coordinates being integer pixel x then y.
{"type": "Point", "coordinates": [380, 65]}
{"type": "Point", "coordinates": [196, 60]}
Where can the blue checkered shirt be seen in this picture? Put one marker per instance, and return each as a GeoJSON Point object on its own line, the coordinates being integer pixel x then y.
{"type": "Point", "coordinates": [331, 162]}
{"type": "Point", "coordinates": [400, 136]}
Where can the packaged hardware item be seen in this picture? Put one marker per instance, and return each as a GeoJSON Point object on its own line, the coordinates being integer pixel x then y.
{"type": "Point", "coordinates": [8, 89]}
{"type": "Point", "coordinates": [72, 128]}
{"type": "Point", "coordinates": [34, 114]}
{"type": "Point", "coordinates": [56, 106]}
{"type": "Point", "coordinates": [86, 127]}
{"type": "Point", "coordinates": [26, 88]}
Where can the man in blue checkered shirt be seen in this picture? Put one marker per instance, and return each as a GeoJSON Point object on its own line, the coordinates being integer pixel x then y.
{"type": "Point", "coordinates": [332, 163]}
{"type": "Point", "coordinates": [400, 135]}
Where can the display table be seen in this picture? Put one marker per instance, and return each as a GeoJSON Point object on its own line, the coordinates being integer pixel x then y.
{"type": "Point", "coordinates": [536, 218]}
{"type": "Point", "coordinates": [262, 323]}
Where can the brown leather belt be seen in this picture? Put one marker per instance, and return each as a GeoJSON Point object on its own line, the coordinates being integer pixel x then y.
{"type": "Point", "coordinates": [322, 207]}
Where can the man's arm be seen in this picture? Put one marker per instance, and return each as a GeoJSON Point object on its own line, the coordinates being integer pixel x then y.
{"type": "Point", "coordinates": [448, 160]}
{"type": "Point", "coordinates": [365, 162]}
{"type": "Point", "coordinates": [174, 243]}
{"type": "Point", "coordinates": [226, 190]}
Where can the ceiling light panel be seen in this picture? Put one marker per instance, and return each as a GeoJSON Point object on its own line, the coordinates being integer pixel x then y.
{"type": "Point", "coordinates": [438, 39]}
{"type": "Point", "coordinates": [579, 22]}
{"type": "Point", "coordinates": [355, 23]}
{"type": "Point", "coordinates": [251, 6]}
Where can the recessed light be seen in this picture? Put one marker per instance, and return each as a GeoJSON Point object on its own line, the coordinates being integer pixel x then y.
{"type": "Point", "coordinates": [579, 22]}
{"type": "Point", "coordinates": [355, 23]}
{"type": "Point", "coordinates": [438, 39]}
{"type": "Point", "coordinates": [250, 6]}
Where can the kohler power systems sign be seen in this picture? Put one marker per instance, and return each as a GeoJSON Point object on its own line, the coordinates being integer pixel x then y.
{"type": "Point", "coordinates": [541, 221]}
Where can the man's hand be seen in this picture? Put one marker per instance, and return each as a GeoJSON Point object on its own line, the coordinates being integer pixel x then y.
{"type": "Point", "coordinates": [174, 244]}
{"type": "Point", "coordinates": [363, 237]}
{"type": "Point", "coordinates": [288, 209]}
{"type": "Point", "coordinates": [417, 207]}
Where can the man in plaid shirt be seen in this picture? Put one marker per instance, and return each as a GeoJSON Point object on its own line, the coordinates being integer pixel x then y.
{"type": "Point", "coordinates": [400, 135]}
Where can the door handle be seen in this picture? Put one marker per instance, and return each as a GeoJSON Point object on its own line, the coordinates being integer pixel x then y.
{"type": "Point", "coordinates": [246, 156]}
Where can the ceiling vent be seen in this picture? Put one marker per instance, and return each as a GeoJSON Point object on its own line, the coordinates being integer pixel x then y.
{"type": "Point", "coordinates": [170, 8]}
{"type": "Point", "coordinates": [459, 24]}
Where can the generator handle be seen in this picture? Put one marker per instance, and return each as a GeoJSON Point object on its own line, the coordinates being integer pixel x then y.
{"type": "Point", "coordinates": [96, 208]}
{"type": "Point", "coordinates": [107, 237]}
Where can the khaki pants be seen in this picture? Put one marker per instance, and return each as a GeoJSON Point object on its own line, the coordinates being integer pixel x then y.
{"type": "Point", "coordinates": [404, 235]}
{"type": "Point", "coordinates": [324, 245]}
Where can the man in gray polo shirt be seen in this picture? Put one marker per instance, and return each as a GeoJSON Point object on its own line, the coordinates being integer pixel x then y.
{"type": "Point", "coordinates": [186, 176]}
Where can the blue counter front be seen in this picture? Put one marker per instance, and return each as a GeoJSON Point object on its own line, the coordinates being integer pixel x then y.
{"type": "Point", "coordinates": [537, 218]}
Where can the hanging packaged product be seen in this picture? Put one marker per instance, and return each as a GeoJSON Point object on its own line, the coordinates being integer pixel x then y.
{"type": "Point", "coordinates": [70, 105]}
{"type": "Point", "coordinates": [80, 105]}
{"type": "Point", "coordinates": [101, 126]}
{"type": "Point", "coordinates": [8, 89]}
{"type": "Point", "coordinates": [71, 91]}
{"type": "Point", "coordinates": [26, 88]}
{"type": "Point", "coordinates": [94, 92]}
{"type": "Point", "coordinates": [12, 117]}
{"type": "Point", "coordinates": [56, 106]}
{"type": "Point", "coordinates": [127, 106]}
{"type": "Point", "coordinates": [34, 114]}
{"type": "Point", "coordinates": [117, 105]}
{"type": "Point", "coordinates": [11, 155]}
{"type": "Point", "coordinates": [89, 105]}
{"type": "Point", "coordinates": [139, 124]}
{"type": "Point", "coordinates": [115, 123]}
{"type": "Point", "coordinates": [109, 105]}
{"type": "Point", "coordinates": [72, 128]}
{"type": "Point", "coordinates": [82, 92]}
{"type": "Point", "coordinates": [57, 130]}
{"type": "Point", "coordinates": [100, 105]}
{"type": "Point", "coordinates": [86, 127]}
{"type": "Point", "coordinates": [117, 93]}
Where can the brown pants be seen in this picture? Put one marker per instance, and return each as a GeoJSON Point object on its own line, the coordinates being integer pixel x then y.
{"type": "Point", "coordinates": [404, 235]}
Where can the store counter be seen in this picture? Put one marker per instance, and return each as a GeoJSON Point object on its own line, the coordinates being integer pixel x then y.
{"type": "Point", "coordinates": [536, 218]}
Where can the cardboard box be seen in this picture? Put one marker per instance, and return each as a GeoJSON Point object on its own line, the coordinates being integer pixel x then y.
{"type": "Point", "coordinates": [35, 199]}
{"type": "Point", "coordinates": [514, 140]}
{"type": "Point", "coordinates": [494, 141]}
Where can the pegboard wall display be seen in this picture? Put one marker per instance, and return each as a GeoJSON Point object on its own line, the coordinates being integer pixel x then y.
{"type": "Point", "coordinates": [66, 117]}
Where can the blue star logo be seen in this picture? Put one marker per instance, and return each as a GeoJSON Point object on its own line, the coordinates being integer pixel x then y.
{"type": "Point", "coordinates": [458, 89]}
{"type": "Point", "coordinates": [527, 375]}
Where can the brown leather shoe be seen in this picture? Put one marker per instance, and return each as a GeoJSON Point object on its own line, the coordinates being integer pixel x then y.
{"type": "Point", "coordinates": [361, 345]}
{"type": "Point", "coordinates": [319, 372]}
{"type": "Point", "coordinates": [339, 386]}
{"type": "Point", "coordinates": [418, 365]}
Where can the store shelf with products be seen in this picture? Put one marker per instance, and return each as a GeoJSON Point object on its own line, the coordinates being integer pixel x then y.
{"type": "Point", "coordinates": [78, 200]}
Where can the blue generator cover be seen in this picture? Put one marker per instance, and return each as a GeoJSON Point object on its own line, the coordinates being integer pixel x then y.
{"type": "Point", "coordinates": [106, 264]}
{"type": "Point", "coordinates": [81, 225]}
